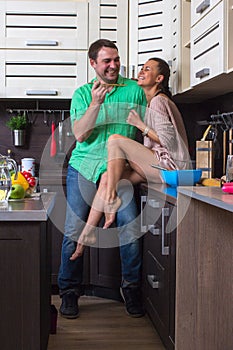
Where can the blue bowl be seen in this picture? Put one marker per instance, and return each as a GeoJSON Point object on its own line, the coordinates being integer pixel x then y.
{"type": "Point", "coordinates": [176, 178]}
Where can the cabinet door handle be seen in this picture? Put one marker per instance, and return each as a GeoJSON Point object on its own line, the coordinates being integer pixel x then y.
{"type": "Point", "coordinates": [165, 250]}
{"type": "Point", "coordinates": [153, 203]}
{"type": "Point", "coordinates": [41, 43]}
{"type": "Point", "coordinates": [41, 92]}
{"type": "Point", "coordinates": [203, 6]}
{"type": "Point", "coordinates": [143, 201]}
{"type": "Point", "coordinates": [154, 230]}
{"type": "Point", "coordinates": [202, 73]}
{"type": "Point", "coordinates": [152, 281]}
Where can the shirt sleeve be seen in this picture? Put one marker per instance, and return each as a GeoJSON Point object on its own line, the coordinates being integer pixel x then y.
{"type": "Point", "coordinates": [78, 106]}
{"type": "Point", "coordinates": [160, 121]}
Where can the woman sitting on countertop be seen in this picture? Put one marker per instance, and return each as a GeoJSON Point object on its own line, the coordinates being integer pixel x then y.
{"type": "Point", "coordinates": [165, 144]}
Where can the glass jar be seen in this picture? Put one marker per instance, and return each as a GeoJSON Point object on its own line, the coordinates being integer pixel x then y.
{"type": "Point", "coordinates": [5, 180]}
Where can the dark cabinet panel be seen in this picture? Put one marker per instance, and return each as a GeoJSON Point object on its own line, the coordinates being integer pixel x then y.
{"type": "Point", "coordinates": [25, 285]}
{"type": "Point", "coordinates": [57, 218]}
{"type": "Point", "coordinates": [105, 267]}
{"type": "Point", "coordinates": [159, 244]}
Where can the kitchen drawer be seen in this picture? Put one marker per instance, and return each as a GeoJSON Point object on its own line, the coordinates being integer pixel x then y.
{"type": "Point", "coordinates": [155, 217]}
{"type": "Point", "coordinates": [151, 210]}
{"type": "Point", "coordinates": [44, 24]}
{"type": "Point", "coordinates": [207, 46]}
{"type": "Point", "coordinates": [199, 8]}
{"type": "Point", "coordinates": [156, 286]}
{"type": "Point", "coordinates": [40, 74]}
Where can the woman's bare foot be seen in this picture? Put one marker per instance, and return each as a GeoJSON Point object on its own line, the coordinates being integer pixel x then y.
{"type": "Point", "coordinates": [78, 252]}
{"type": "Point", "coordinates": [110, 210]}
{"type": "Point", "coordinates": [84, 239]}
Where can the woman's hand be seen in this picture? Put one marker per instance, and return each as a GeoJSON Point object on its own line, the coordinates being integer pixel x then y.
{"type": "Point", "coordinates": [134, 119]}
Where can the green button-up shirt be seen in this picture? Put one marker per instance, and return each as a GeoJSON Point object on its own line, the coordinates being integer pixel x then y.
{"type": "Point", "coordinates": [90, 156]}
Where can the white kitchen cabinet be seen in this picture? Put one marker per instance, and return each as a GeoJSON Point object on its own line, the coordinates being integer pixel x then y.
{"type": "Point", "coordinates": [229, 34]}
{"type": "Point", "coordinates": [41, 73]}
{"type": "Point", "coordinates": [149, 31]}
{"type": "Point", "coordinates": [43, 48]}
{"type": "Point", "coordinates": [208, 46]}
{"type": "Point", "coordinates": [210, 49]}
{"type": "Point", "coordinates": [108, 19]}
{"type": "Point", "coordinates": [180, 46]}
{"type": "Point", "coordinates": [200, 8]}
{"type": "Point", "coordinates": [141, 29]}
{"type": "Point", "coordinates": [40, 24]}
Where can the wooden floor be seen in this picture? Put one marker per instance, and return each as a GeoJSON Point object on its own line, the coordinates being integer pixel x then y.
{"type": "Point", "coordinates": [103, 324]}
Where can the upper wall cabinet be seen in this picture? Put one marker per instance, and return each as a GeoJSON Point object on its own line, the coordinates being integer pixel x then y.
{"type": "Point", "coordinates": [180, 46]}
{"type": "Point", "coordinates": [149, 31]}
{"type": "Point", "coordinates": [208, 46]}
{"type": "Point", "coordinates": [211, 50]}
{"type": "Point", "coordinates": [229, 36]}
{"type": "Point", "coordinates": [108, 19]}
{"type": "Point", "coordinates": [41, 73]}
{"type": "Point", "coordinates": [43, 24]}
{"type": "Point", "coordinates": [199, 8]}
{"type": "Point", "coordinates": [211, 44]}
{"type": "Point", "coordinates": [43, 48]}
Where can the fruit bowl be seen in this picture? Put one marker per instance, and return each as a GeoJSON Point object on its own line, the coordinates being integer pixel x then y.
{"type": "Point", "coordinates": [176, 178]}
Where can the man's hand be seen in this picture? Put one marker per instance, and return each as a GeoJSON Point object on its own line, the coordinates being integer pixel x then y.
{"type": "Point", "coordinates": [98, 93]}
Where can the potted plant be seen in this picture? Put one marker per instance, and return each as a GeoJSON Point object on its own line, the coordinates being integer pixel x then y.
{"type": "Point", "coordinates": [18, 124]}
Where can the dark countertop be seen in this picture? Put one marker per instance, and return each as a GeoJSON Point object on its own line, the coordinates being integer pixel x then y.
{"type": "Point", "coordinates": [210, 195]}
{"type": "Point", "coordinates": [36, 208]}
{"type": "Point", "coordinates": [163, 191]}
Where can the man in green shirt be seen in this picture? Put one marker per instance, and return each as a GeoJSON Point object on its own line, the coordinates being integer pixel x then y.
{"type": "Point", "coordinates": [98, 110]}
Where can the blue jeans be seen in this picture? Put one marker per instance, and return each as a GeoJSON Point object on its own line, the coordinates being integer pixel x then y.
{"type": "Point", "coordinates": [80, 193]}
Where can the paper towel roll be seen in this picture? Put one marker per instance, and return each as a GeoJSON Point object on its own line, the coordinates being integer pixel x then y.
{"type": "Point", "coordinates": [28, 164]}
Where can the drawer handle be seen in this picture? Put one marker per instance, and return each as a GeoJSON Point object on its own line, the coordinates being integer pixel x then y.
{"type": "Point", "coordinates": [153, 230]}
{"type": "Point", "coordinates": [41, 92]}
{"type": "Point", "coordinates": [143, 227]}
{"type": "Point", "coordinates": [165, 250]}
{"type": "Point", "coordinates": [203, 6]}
{"type": "Point", "coordinates": [203, 73]}
{"type": "Point", "coordinates": [153, 203]}
{"type": "Point", "coordinates": [41, 43]}
{"type": "Point", "coordinates": [152, 281]}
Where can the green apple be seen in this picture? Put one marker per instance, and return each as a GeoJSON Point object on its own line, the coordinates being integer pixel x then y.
{"type": "Point", "coordinates": [17, 192]}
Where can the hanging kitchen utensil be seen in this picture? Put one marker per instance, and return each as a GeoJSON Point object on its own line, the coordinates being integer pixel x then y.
{"type": "Point", "coordinates": [225, 129]}
{"type": "Point", "coordinates": [53, 146]}
{"type": "Point", "coordinates": [60, 137]}
{"type": "Point", "coordinates": [206, 133]}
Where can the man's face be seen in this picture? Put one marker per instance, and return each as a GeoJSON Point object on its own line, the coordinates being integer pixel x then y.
{"type": "Point", "coordinates": [107, 65]}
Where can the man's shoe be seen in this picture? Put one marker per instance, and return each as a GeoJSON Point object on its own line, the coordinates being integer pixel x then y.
{"type": "Point", "coordinates": [133, 302]}
{"type": "Point", "coordinates": [69, 307]}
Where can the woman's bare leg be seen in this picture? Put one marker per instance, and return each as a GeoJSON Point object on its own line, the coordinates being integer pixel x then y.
{"type": "Point", "coordinates": [121, 149]}
{"type": "Point", "coordinates": [97, 209]}
{"type": "Point", "coordinates": [88, 233]}
{"type": "Point", "coordinates": [139, 157]}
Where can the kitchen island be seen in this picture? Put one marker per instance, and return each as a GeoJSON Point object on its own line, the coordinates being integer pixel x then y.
{"type": "Point", "coordinates": [25, 250]}
{"type": "Point", "coordinates": [204, 269]}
